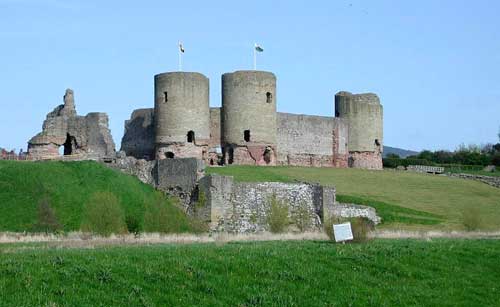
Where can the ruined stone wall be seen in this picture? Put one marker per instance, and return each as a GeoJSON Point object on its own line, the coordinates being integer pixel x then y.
{"type": "Point", "coordinates": [177, 177]}
{"type": "Point", "coordinates": [138, 140]}
{"type": "Point", "coordinates": [215, 127]}
{"type": "Point", "coordinates": [306, 140]}
{"type": "Point", "coordinates": [366, 160]}
{"type": "Point", "coordinates": [86, 136]}
{"type": "Point", "coordinates": [302, 140]}
{"type": "Point", "coordinates": [352, 210]}
{"type": "Point", "coordinates": [243, 207]}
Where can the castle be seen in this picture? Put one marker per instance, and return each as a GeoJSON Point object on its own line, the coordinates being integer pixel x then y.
{"type": "Point", "coordinates": [246, 130]}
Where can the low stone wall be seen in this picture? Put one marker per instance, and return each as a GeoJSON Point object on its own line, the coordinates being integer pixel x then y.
{"type": "Point", "coordinates": [425, 169]}
{"type": "Point", "coordinates": [242, 207]}
{"type": "Point", "coordinates": [493, 181]}
{"type": "Point", "coordinates": [352, 210]}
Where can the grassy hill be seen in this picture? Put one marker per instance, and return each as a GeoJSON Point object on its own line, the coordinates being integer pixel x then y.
{"type": "Point", "coordinates": [302, 273]}
{"type": "Point", "coordinates": [403, 153]}
{"type": "Point", "coordinates": [411, 200]}
{"type": "Point", "coordinates": [404, 200]}
{"type": "Point", "coordinates": [68, 185]}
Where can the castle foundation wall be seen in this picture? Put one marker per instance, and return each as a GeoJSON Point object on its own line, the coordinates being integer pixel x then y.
{"type": "Point", "coordinates": [366, 160]}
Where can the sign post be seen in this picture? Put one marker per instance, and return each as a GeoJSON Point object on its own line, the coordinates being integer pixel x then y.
{"type": "Point", "coordinates": [343, 232]}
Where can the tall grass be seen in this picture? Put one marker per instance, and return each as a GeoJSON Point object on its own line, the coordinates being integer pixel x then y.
{"type": "Point", "coordinates": [277, 215]}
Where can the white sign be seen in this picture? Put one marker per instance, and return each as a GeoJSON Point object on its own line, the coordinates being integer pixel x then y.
{"type": "Point", "coordinates": [342, 232]}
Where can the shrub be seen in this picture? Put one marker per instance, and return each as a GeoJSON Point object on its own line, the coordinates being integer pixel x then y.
{"type": "Point", "coordinates": [496, 159]}
{"type": "Point", "coordinates": [157, 217]}
{"type": "Point", "coordinates": [198, 226]}
{"type": "Point", "coordinates": [46, 219]}
{"type": "Point", "coordinates": [103, 215]}
{"type": "Point", "coordinates": [133, 225]}
{"type": "Point", "coordinates": [302, 218]}
{"type": "Point", "coordinates": [361, 226]}
{"type": "Point", "coordinates": [471, 218]}
{"type": "Point", "coordinates": [277, 215]}
{"type": "Point", "coordinates": [201, 200]}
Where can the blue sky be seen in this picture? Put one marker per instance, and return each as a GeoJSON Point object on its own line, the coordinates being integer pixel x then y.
{"type": "Point", "coordinates": [434, 64]}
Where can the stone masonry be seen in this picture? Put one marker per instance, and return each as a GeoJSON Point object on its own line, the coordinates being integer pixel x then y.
{"type": "Point", "coordinates": [87, 137]}
{"type": "Point", "coordinates": [247, 129]}
{"type": "Point", "coordinates": [241, 207]}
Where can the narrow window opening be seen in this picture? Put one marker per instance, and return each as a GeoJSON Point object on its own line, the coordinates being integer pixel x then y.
{"type": "Point", "coordinates": [377, 142]}
{"type": "Point", "coordinates": [211, 161]}
{"type": "Point", "coordinates": [190, 136]}
{"type": "Point", "coordinates": [166, 96]}
{"type": "Point", "coordinates": [169, 155]}
{"type": "Point", "coordinates": [246, 135]}
{"type": "Point", "coordinates": [269, 97]}
{"type": "Point", "coordinates": [231, 156]}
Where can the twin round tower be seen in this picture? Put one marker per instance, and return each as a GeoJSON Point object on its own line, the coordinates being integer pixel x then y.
{"type": "Point", "coordinates": [248, 130]}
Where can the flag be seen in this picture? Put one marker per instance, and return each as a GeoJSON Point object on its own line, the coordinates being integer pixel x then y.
{"type": "Point", "coordinates": [181, 48]}
{"type": "Point", "coordinates": [258, 48]}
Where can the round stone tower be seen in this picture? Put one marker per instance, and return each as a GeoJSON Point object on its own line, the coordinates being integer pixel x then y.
{"type": "Point", "coordinates": [249, 117]}
{"type": "Point", "coordinates": [182, 115]}
{"type": "Point", "coordinates": [364, 115]}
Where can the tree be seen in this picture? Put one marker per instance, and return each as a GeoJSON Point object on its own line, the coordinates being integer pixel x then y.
{"type": "Point", "coordinates": [393, 156]}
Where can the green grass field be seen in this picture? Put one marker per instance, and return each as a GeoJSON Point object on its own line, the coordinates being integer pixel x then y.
{"type": "Point", "coordinates": [310, 273]}
{"type": "Point", "coordinates": [436, 201]}
{"type": "Point", "coordinates": [68, 185]}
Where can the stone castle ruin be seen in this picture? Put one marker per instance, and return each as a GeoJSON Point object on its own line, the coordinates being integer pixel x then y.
{"type": "Point", "coordinates": [169, 145]}
{"type": "Point", "coordinates": [81, 137]}
{"type": "Point", "coordinates": [248, 130]}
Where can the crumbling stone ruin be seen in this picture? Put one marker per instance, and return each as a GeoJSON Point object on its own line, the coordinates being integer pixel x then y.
{"type": "Point", "coordinates": [82, 137]}
{"type": "Point", "coordinates": [167, 146]}
{"type": "Point", "coordinates": [239, 207]}
{"type": "Point", "coordinates": [248, 130]}
{"type": "Point", "coordinates": [12, 155]}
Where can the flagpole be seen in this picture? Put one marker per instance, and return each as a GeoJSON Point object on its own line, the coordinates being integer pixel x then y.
{"type": "Point", "coordinates": [180, 60]}
{"type": "Point", "coordinates": [254, 57]}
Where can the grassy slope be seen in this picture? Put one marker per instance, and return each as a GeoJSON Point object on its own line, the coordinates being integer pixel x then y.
{"type": "Point", "coordinates": [439, 195]}
{"type": "Point", "coordinates": [68, 186]}
{"type": "Point", "coordinates": [381, 273]}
